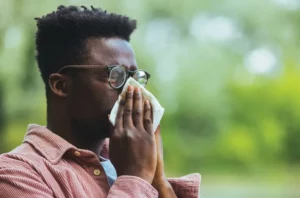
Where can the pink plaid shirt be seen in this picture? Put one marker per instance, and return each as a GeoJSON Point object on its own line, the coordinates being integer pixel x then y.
{"type": "Point", "coordinates": [45, 165]}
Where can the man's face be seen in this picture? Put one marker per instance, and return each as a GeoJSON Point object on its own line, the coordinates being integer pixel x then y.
{"type": "Point", "coordinates": [92, 98]}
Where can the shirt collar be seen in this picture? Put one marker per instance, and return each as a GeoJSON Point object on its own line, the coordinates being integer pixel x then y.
{"type": "Point", "coordinates": [52, 146]}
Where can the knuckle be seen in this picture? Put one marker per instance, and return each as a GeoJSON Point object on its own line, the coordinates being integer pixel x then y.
{"type": "Point", "coordinates": [129, 134]}
{"type": "Point", "coordinates": [126, 131]}
{"type": "Point", "coordinates": [138, 112]}
{"type": "Point", "coordinates": [147, 108]}
{"type": "Point", "coordinates": [118, 133]}
{"type": "Point", "coordinates": [127, 112]}
{"type": "Point", "coordinates": [150, 141]}
{"type": "Point", "coordinates": [147, 121]}
{"type": "Point", "coordinates": [137, 96]}
{"type": "Point", "coordinates": [119, 116]}
{"type": "Point", "coordinates": [129, 95]}
{"type": "Point", "coordinates": [122, 102]}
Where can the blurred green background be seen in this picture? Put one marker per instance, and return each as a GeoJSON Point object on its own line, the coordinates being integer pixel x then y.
{"type": "Point", "coordinates": [227, 73]}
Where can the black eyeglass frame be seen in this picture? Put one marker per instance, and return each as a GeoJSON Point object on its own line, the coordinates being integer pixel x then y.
{"type": "Point", "coordinates": [108, 69]}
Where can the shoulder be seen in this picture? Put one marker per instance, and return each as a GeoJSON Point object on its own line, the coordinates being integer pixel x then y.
{"type": "Point", "coordinates": [22, 157]}
{"type": "Point", "coordinates": [18, 175]}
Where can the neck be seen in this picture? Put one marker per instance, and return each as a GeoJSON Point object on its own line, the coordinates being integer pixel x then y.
{"type": "Point", "coordinates": [76, 134]}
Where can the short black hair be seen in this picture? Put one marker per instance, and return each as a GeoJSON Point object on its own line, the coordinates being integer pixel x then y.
{"type": "Point", "coordinates": [62, 34]}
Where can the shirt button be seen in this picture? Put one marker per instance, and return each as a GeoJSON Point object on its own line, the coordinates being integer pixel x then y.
{"type": "Point", "coordinates": [97, 172]}
{"type": "Point", "coordinates": [77, 153]}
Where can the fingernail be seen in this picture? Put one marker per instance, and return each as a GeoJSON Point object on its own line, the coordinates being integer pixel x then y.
{"type": "Point", "coordinates": [137, 90]}
{"type": "Point", "coordinates": [129, 88]}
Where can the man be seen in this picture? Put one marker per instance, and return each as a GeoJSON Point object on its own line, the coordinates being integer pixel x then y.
{"type": "Point", "coordinates": [84, 57]}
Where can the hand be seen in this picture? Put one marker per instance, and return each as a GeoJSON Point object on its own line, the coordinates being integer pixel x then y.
{"type": "Point", "coordinates": [132, 143]}
{"type": "Point", "coordinates": [159, 176]}
{"type": "Point", "coordinates": [160, 182]}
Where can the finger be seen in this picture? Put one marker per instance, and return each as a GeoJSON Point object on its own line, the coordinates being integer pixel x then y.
{"type": "Point", "coordinates": [157, 131]}
{"type": "Point", "coordinates": [119, 117]}
{"type": "Point", "coordinates": [138, 108]}
{"type": "Point", "coordinates": [111, 129]}
{"type": "Point", "coordinates": [148, 125]}
{"type": "Point", "coordinates": [127, 113]}
{"type": "Point", "coordinates": [151, 113]}
{"type": "Point", "coordinates": [159, 144]}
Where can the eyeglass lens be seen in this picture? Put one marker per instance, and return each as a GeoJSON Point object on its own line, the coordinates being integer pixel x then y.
{"type": "Point", "coordinates": [118, 76]}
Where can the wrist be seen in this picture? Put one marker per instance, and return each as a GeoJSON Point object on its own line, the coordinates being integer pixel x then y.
{"type": "Point", "coordinates": [146, 176]}
{"type": "Point", "coordinates": [160, 183]}
{"type": "Point", "coordinates": [164, 188]}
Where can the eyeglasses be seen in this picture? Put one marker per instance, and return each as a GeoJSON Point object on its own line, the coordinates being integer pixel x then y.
{"type": "Point", "coordinates": [117, 74]}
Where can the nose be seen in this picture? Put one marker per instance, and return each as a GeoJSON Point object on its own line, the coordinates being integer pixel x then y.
{"type": "Point", "coordinates": [130, 66]}
{"type": "Point", "coordinates": [133, 68]}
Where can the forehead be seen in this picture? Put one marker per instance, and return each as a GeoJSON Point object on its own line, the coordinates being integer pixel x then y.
{"type": "Point", "coordinates": [110, 51]}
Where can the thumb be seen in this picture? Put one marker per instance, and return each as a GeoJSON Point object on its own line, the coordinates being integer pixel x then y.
{"type": "Point", "coordinates": [158, 140]}
{"type": "Point", "coordinates": [157, 131]}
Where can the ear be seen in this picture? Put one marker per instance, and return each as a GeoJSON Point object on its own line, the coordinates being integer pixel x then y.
{"type": "Point", "coordinates": [59, 84]}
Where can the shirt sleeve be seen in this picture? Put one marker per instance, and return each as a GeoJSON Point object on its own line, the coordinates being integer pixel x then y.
{"type": "Point", "coordinates": [15, 183]}
{"type": "Point", "coordinates": [187, 186]}
{"type": "Point", "coordinates": [131, 186]}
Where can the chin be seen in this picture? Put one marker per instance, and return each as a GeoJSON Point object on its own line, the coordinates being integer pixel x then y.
{"type": "Point", "coordinates": [100, 131]}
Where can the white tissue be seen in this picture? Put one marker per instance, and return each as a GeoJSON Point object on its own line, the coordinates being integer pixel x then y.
{"type": "Point", "coordinates": [157, 109]}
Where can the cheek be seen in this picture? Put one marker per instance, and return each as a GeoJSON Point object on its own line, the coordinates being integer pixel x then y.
{"type": "Point", "coordinates": [107, 99]}
{"type": "Point", "coordinates": [94, 101]}
{"type": "Point", "coordinates": [79, 103]}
